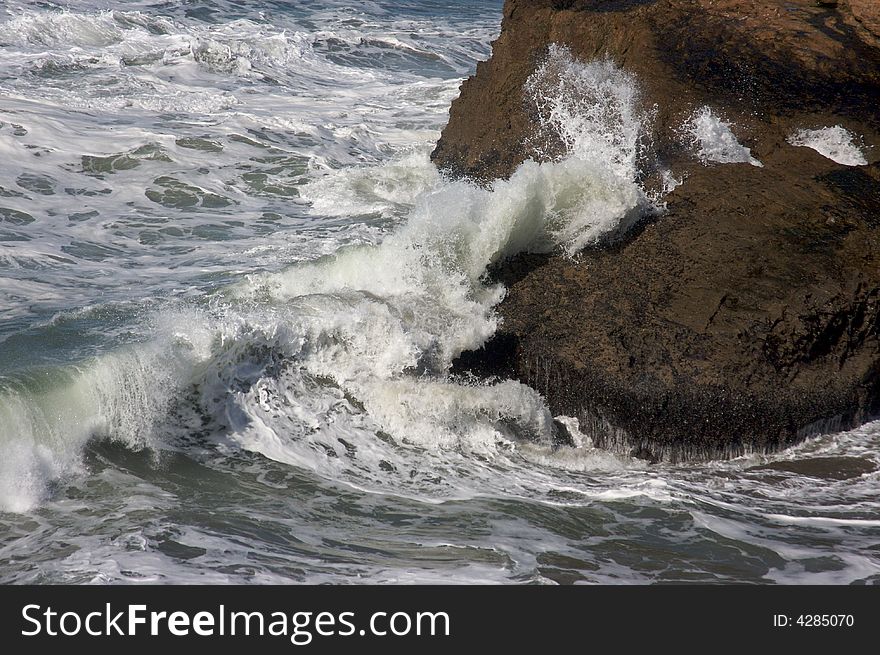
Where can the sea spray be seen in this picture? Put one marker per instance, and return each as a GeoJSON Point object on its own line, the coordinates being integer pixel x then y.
{"type": "Point", "coordinates": [836, 143]}
{"type": "Point", "coordinates": [593, 110]}
{"type": "Point", "coordinates": [714, 141]}
{"type": "Point", "coordinates": [385, 322]}
{"type": "Point", "coordinates": [592, 107]}
{"type": "Point", "coordinates": [396, 476]}
{"type": "Point", "coordinates": [341, 366]}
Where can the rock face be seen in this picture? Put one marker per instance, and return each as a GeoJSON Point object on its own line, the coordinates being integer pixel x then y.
{"type": "Point", "coordinates": [770, 64]}
{"type": "Point", "coordinates": [745, 317]}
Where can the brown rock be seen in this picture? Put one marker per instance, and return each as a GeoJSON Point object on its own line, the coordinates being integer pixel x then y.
{"type": "Point", "coordinates": [747, 316]}
{"type": "Point", "coordinates": [770, 65]}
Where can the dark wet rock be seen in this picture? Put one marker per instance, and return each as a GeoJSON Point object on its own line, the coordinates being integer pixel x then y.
{"type": "Point", "coordinates": [562, 435]}
{"type": "Point", "coordinates": [748, 315]}
{"type": "Point", "coordinates": [824, 468]}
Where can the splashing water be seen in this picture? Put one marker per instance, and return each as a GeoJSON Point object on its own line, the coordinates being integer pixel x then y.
{"type": "Point", "coordinates": [592, 109]}
{"type": "Point", "coordinates": [836, 143]}
{"type": "Point", "coordinates": [360, 343]}
{"type": "Point", "coordinates": [714, 140]}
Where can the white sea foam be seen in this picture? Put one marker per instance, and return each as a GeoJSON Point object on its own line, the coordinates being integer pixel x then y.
{"type": "Point", "coordinates": [385, 189]}
{"type": "Point", "coordinates": [836, 143]}
{"type": "Point", "coordinates": [359, 344]}
{"type": "Point", "coordinates": [714, 140]}
{"type": "Point", "coordinates": [62, 29]}
{"type": "Point", "coordinates": [384, 322]}
{"type": "Point", "coordinates": [228, 117]}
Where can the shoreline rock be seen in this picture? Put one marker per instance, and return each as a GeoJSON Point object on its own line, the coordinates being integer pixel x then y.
{"type": "Point", "coordinates": [747, 316]}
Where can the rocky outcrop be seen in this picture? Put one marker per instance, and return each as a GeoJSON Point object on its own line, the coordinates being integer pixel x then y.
{"type": "Point", "coordinates": [771, 64]}
{"type": "Point", "coordinates": [745, 317]}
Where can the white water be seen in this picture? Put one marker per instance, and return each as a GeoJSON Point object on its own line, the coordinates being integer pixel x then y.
{"type": "Point", "coordinates": [593, 109]}
{"type": "Point", "coordinates": [293, 363]}
{"type": "Point", "coordinates": [714, 140]}
{"type": "Point", "coordinates": [836, 143]}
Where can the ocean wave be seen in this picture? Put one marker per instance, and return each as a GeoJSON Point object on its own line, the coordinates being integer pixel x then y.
{"type": "Point", "coordinates": [311, 366]}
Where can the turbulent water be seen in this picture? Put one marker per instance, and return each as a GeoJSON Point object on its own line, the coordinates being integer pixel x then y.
{"type": "Point", "coordinates": [232, 286]}
{"type": "Point", "coordinates": [836, 143]}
